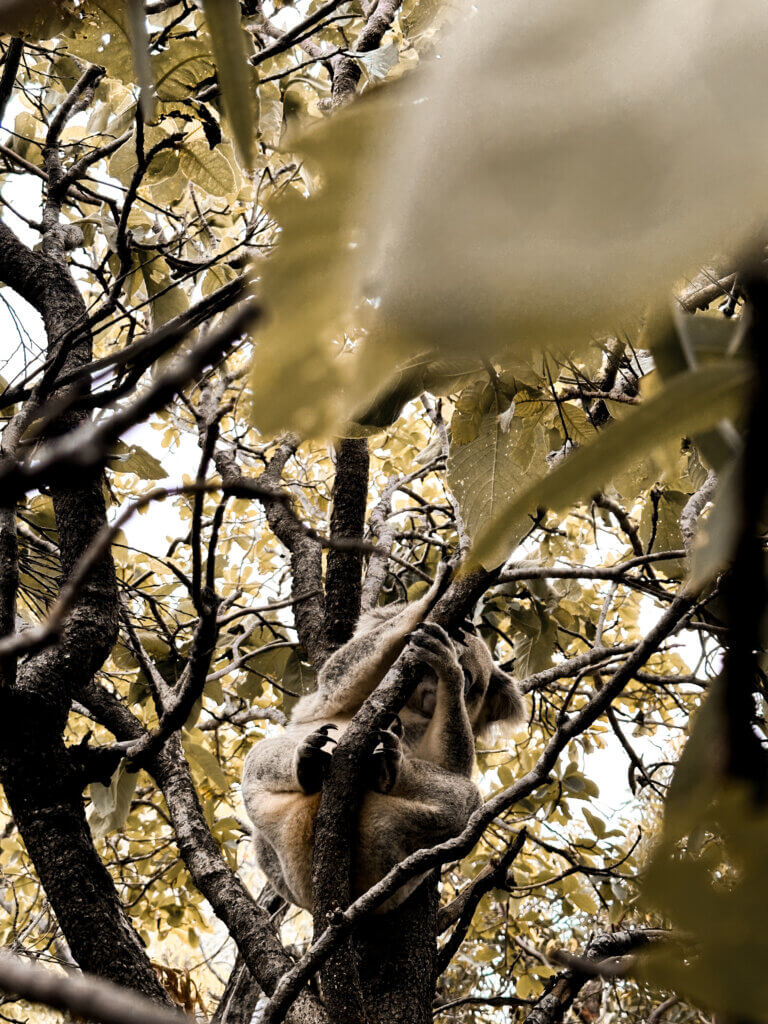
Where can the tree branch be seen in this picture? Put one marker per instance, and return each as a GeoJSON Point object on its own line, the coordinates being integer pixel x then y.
{"type": "Point", "coordinates": [84, 996]}
{"type": "Point", "coordinates": [564, 988]}
{"type": "Point", "coordinates": [343, 571]}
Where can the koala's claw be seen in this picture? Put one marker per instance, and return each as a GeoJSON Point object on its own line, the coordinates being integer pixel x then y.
{"type": "Point", "coordinates": [431, 629]}
{"type": "Point", "coordinates": [435, 648]}
{"type": "Point", "coordinates": [396, 726]}
{"type": "Point", "coordinates": [462, 632]}
{"type": "Point", "coordinates": [384, 763]}
{"type": "Point", "coordinates": [312, 759]}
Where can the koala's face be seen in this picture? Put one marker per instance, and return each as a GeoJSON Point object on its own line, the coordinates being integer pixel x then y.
{"type": "Point", "coordinates": [479, 678]}
{"type": "Point", "coordinates": [490, 695]}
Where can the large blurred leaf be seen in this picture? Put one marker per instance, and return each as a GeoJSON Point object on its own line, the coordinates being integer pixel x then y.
{"type": "Point", "coordinates": [439, 377]}
{"type": "Point", "coordinates": [311, 289]}
{"type": "Point", "coordinates": [708, 876]}
{"type": "Point", "coordinates": [567, 162]}
{"type": "Point", "coordinates": [142, 63]}
{"type": "Point", "coordinates": [553, 171]}
{"type": "Point", "coordinates": [37, 19]}
{"type": "Point", "coordinates": [691, 401]}
{"type": "Point", "coordinates": [233, 72]}
{"type": "Point", "coordinates": [681, 342]}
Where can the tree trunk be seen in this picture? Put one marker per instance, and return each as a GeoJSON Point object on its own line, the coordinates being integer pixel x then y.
{"type": "Point", "coordinates": [41, 782]}
{"type": "Point", "coordinates": [398, 954]}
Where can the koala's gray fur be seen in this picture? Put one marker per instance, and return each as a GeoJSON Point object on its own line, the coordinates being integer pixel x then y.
{"type": "Point", "coordinates": [420, 777]}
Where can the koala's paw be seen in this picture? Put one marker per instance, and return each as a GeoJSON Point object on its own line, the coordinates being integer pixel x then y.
{"type": "Point", "coordinates": [312, 759]}
{"type": "Point", "coordinates": [384, 763]}
{"type": "Point", "coordinates": [434, 648]}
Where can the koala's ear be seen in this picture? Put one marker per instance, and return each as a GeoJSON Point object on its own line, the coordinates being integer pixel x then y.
{"type": "Point", "coordinates": [503, 701]}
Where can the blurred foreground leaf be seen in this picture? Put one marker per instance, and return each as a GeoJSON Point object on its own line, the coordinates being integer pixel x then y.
{"type": "Point", "coordinates": [581, 168]}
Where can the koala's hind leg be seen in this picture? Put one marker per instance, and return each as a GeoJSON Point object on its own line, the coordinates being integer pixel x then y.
{"type": "Point", "coordinates": [426, 807]}
{"type": "Point", "coordinates": [284, 829]}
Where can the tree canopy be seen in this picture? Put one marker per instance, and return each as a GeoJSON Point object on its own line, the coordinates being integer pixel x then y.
{"type": "Point", "coordinates": [305, 303]}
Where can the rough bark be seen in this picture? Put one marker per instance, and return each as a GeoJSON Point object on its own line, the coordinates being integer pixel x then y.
{"type": "Point", "coordinates": [346, 70]}
{"type": "Point", "coordinates": [36, 770]}
{"type": "Point", "coordinates": [744, 586]}
{"type": "Point", "coordinates": [306, 561]}
{"type": "Point", "coordinates": [398, 953]}
{"type": "Point", "coordinates": [343, 572]}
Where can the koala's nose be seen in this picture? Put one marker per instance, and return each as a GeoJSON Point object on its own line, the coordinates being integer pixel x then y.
{"type": "Point", "coordinates": [467, 682]}
{"type": "Point", "coordinates": [460, 634]}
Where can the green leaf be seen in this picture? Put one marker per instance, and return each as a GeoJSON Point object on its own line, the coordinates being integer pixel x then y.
{"type": "Point", "coordinates": [207, 761]}
{"type": "Point", "coordinates": [488, 470]}
{"type": "Point", "coordinates": [681, 342]}
{"type": "Point", "coordinates": [668, 536]}
{"type": "Point", "coordinates": [208, 168]}
{"type": "Point", "coordinates": [133, 458]}
{"type": "Point", "coordinates": [438, 376]}
{"type": "Point", "coordinates": [299, 678]}
{"type": "Point", "coordinates": [180, 69]}
{"type": "Point", "coordinates": [690, 402]}
{"type": "Point", "coordinates": [596, 824]}
{"type": "Point", "coordinates": [583, 901]}
{"type": "Point", "coordinates": [233, 72]}
{"type": "Point", "coordinates": [378, 63]}
{"type": "Point", "coordinates": [105, 38]}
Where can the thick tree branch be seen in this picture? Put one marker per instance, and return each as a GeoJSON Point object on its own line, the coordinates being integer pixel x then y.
{"type": "Point", "coordinates": [305, 551]}
{"type": "Point", "coordinates": [11, 63]}
{"type": "Point", "coordinates": [247, 923]}
{"type": "Point", "coordinates": [564, 988]}
{"type": "Point", "coordinates": [463, 908]}
{"type": "Point", "coordinates": [343, 571]}
{"type": "Point", "coordinates": [346, 70]}
{"type": "Point", "coordinates": [38, 775]}
{"type": "Point", "coordinates": [84, 449]}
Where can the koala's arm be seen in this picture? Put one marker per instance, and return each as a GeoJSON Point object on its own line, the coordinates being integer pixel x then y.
{"type": "Point", "coordinates": [353, 672]}
{"type": "Point", "coordinates": [448, 741]}
{"type": "Point", "coordinates": [270, 767]}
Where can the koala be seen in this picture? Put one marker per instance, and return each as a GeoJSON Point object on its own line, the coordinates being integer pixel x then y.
{"type": "Point", "coordinates": [419, 777]}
